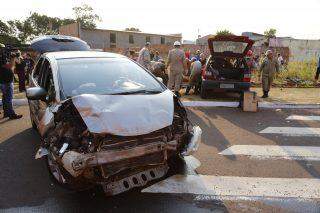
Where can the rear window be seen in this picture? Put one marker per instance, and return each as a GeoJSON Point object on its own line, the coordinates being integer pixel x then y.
{"type": "Point", "coordinates": [229, 46]}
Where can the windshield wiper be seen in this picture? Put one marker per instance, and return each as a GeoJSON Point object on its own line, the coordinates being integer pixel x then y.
{"type": "Point", "coordinates": [137, 92]}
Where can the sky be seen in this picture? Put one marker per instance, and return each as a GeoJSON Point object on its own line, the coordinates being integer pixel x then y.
{"type": "Point", "coordinates": [298, 19]}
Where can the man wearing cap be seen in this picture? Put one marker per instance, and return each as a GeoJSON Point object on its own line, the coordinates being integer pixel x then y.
{"type": "Point", "coordinates": [144, 56]}
{"type": "Point", "coordinates": [268, 68]}
{"type": "Point", "coordinates": [176, 64]}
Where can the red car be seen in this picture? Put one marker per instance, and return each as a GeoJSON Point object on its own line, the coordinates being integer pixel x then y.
{"type": "Point", "coordinates": [226, 68]}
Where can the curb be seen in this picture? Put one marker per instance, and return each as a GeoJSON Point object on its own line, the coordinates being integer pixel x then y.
{"type": "Point", "coordinates": [18, 102]}
{"type": "Point", "coordinates": [230, 104]}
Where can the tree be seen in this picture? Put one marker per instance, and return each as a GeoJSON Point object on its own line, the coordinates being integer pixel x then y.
{"type": "Point", "coordinates": [224, 32]}
{"type": "Point", "coordinates": [270, 33]}
{"type": "Point", "coordinates": [35, 25]}
{"type": "Point", "coordinates": [133, 29]}
{"type": "Point", "coordinates": [6, 36]}
{"type": "Point", "coordinates": [85, 15]}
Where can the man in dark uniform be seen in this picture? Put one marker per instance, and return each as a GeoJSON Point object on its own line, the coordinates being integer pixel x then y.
{"type": "Point", "coordinates": [6, 84]}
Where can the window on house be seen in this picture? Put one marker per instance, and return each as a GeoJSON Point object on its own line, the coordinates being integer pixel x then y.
{"type": "Point", "coordinates": [163, 40]}
{"type": "Point", "coordinates": [131, 40]}
{"type": "Point", "coordinates": [148, 39]}
{"type": "Point", "coordinates": [113, 38]}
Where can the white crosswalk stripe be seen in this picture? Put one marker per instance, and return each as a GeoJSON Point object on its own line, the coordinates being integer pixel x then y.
{"type": "Point", "coordinates": [303, 118]}
{"type": "Point", "coordinates": [243, 188]}
{"type": "Point", "coordinates": [293, 131]}
{"type": "Point", "coordinates": [226, 186]}
{"type": "Point", "coordinates": [311, 153]}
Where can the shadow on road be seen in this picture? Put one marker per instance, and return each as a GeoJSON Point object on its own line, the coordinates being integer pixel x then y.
{"type": "Point", "coordinates": [26, 186]}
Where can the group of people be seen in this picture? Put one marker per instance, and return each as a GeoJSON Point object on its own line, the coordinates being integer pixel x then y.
{"type": "Point", "coordinates": [179, 64]}
{"type": "Point", "coordinates": [21, 65]}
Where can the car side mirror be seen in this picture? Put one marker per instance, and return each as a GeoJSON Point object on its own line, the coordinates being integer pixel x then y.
{"type": "Point", "coordinates": [160, 79]}
{"type": "Point", "coordinates": [36, 93]}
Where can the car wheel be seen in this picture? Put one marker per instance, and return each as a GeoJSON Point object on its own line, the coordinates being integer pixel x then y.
{"type": "Point", "coordinates": [177, 165]}
{"type": "Point", "coordinates": [60, 176]}
{"type": "Point", "coordinates": [203, 93]}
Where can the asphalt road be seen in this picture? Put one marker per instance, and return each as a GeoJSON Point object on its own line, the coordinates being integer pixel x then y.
{"type": "Point", "coordinates": [25, 184]}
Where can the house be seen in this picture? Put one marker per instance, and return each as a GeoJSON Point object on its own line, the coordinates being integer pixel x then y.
{"type": "Point", "coordinates": [106, 39]}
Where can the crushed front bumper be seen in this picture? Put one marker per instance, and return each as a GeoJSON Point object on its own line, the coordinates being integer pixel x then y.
{"type": "Point", "coordinates": [75, 162]}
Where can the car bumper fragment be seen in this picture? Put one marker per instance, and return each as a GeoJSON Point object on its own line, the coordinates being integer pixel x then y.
{"type": "Point", "coordinates": [136, 180]}
{"type": "Point", "coordinates": [75, 162]}
{"type": "Point", "coordinates": [195, 140]}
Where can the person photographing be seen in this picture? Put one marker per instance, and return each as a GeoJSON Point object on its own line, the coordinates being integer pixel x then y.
{"type": "Point", "coordinates": [6, 85]}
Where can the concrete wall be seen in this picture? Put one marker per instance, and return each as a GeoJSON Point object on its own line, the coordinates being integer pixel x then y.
{"type": "Point", "coordinates": [70, 29]}
{"type": "Point", "coordinates": [100, 39]}
{"type": "Point", "coordinates": [299, 50]}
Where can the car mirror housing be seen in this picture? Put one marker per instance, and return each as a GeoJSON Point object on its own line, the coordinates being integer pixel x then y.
{"type": "Point", "coordinates": [36, 93]}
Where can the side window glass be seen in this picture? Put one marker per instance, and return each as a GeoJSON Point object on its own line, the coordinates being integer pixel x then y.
{"type": "Point", "coordinates": [37, 70]}
{"type": "Point", "coordinates": [43, 73]}
{"type": "Point", "coordinates": [49, 84]}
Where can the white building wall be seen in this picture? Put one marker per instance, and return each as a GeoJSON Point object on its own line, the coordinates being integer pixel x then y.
{"type": "Point", "coordinates": [100, 39]}
{"type": "Point", "coordinates": [300, 50]}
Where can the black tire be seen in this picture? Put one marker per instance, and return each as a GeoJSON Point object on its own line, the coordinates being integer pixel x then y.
{"type": "Point", "coordinates": [34, 125]}
{"type": "Point", "coordinates": [61, 177]}
{"type": "Point", "coordinates": [203, 93]}
{"type": "Point", "coordinates": [177, 165]}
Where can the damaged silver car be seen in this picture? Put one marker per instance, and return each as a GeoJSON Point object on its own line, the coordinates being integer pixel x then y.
{"type": "Point", "coordinates": [105, 120]}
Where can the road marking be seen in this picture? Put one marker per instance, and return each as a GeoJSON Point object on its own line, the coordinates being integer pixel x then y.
{"type": "Point", "coordinates": [293, 131]}
{"type": "Point", "coordinates": [311, 153]}
{"type": "Point", "coordinates": [225, 187]}
{"type": "Point", "coordinates": [234, 104]}
{"type": "Point", "coordinates": [210, 103]}
{"type": "Point", "coordinates": [303, 118]}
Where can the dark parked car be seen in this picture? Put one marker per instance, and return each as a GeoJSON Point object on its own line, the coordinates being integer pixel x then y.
{"type": "Point", "coordinates": [226, 68]}
{"type": "Point", "coordinates": [105, 120]}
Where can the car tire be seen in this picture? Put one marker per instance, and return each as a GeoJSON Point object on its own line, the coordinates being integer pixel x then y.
{"type": "Point", "coordinates": [177, 165]}
{"type": "Point", "coordinates": [203, 93]}
{"type": "Point", "coordinates": [61, 177]}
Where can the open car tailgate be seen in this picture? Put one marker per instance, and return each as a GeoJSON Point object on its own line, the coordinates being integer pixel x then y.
{"type": "Point", "coordinates": [229, 46]}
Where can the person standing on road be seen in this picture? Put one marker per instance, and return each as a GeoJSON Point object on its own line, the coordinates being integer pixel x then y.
{"type": "Point", "coordinates": [20, 70]}
{"type": "Point", "coordinates": [316, 78]}
{"type": "Point", "coordinates": [268, 68]}
{"type": "Point", "coordinates": [6, 84]}
{"type": "Point", "coordinates": [177, 65]}
{"type": "Point", "coordinates": [144, 56]}
{"type": "Point", "coordinates": [29, 66]}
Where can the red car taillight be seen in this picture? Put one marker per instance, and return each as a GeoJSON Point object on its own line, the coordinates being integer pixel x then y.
{"type": "Point", "coordinates": [246, 77]}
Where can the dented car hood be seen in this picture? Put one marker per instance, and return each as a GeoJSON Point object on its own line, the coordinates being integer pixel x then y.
{"type": "Point", "coordinates": [125, 115]}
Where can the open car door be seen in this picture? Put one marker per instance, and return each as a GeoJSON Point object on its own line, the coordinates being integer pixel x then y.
{"type": "Point", "coordinates": [229, 46]}
{"type": "Point", "coordinates": [56, 43]}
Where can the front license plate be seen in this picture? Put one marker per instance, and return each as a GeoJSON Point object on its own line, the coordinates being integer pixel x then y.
{"type": "Point", "coordinates": [227, 86]}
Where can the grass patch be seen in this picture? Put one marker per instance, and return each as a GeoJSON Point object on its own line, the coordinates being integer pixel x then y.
{"type": "Point", "coordinates": [295, 74]}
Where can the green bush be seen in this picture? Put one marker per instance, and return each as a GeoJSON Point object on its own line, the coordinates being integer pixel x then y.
{"type": "Point", "coordinates": [295, 73]}
{"type": "Point", "coordinates": [302, 70]}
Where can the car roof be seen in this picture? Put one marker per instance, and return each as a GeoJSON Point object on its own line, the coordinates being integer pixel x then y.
{"type": "Point", "coordinates": [81, 54]}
